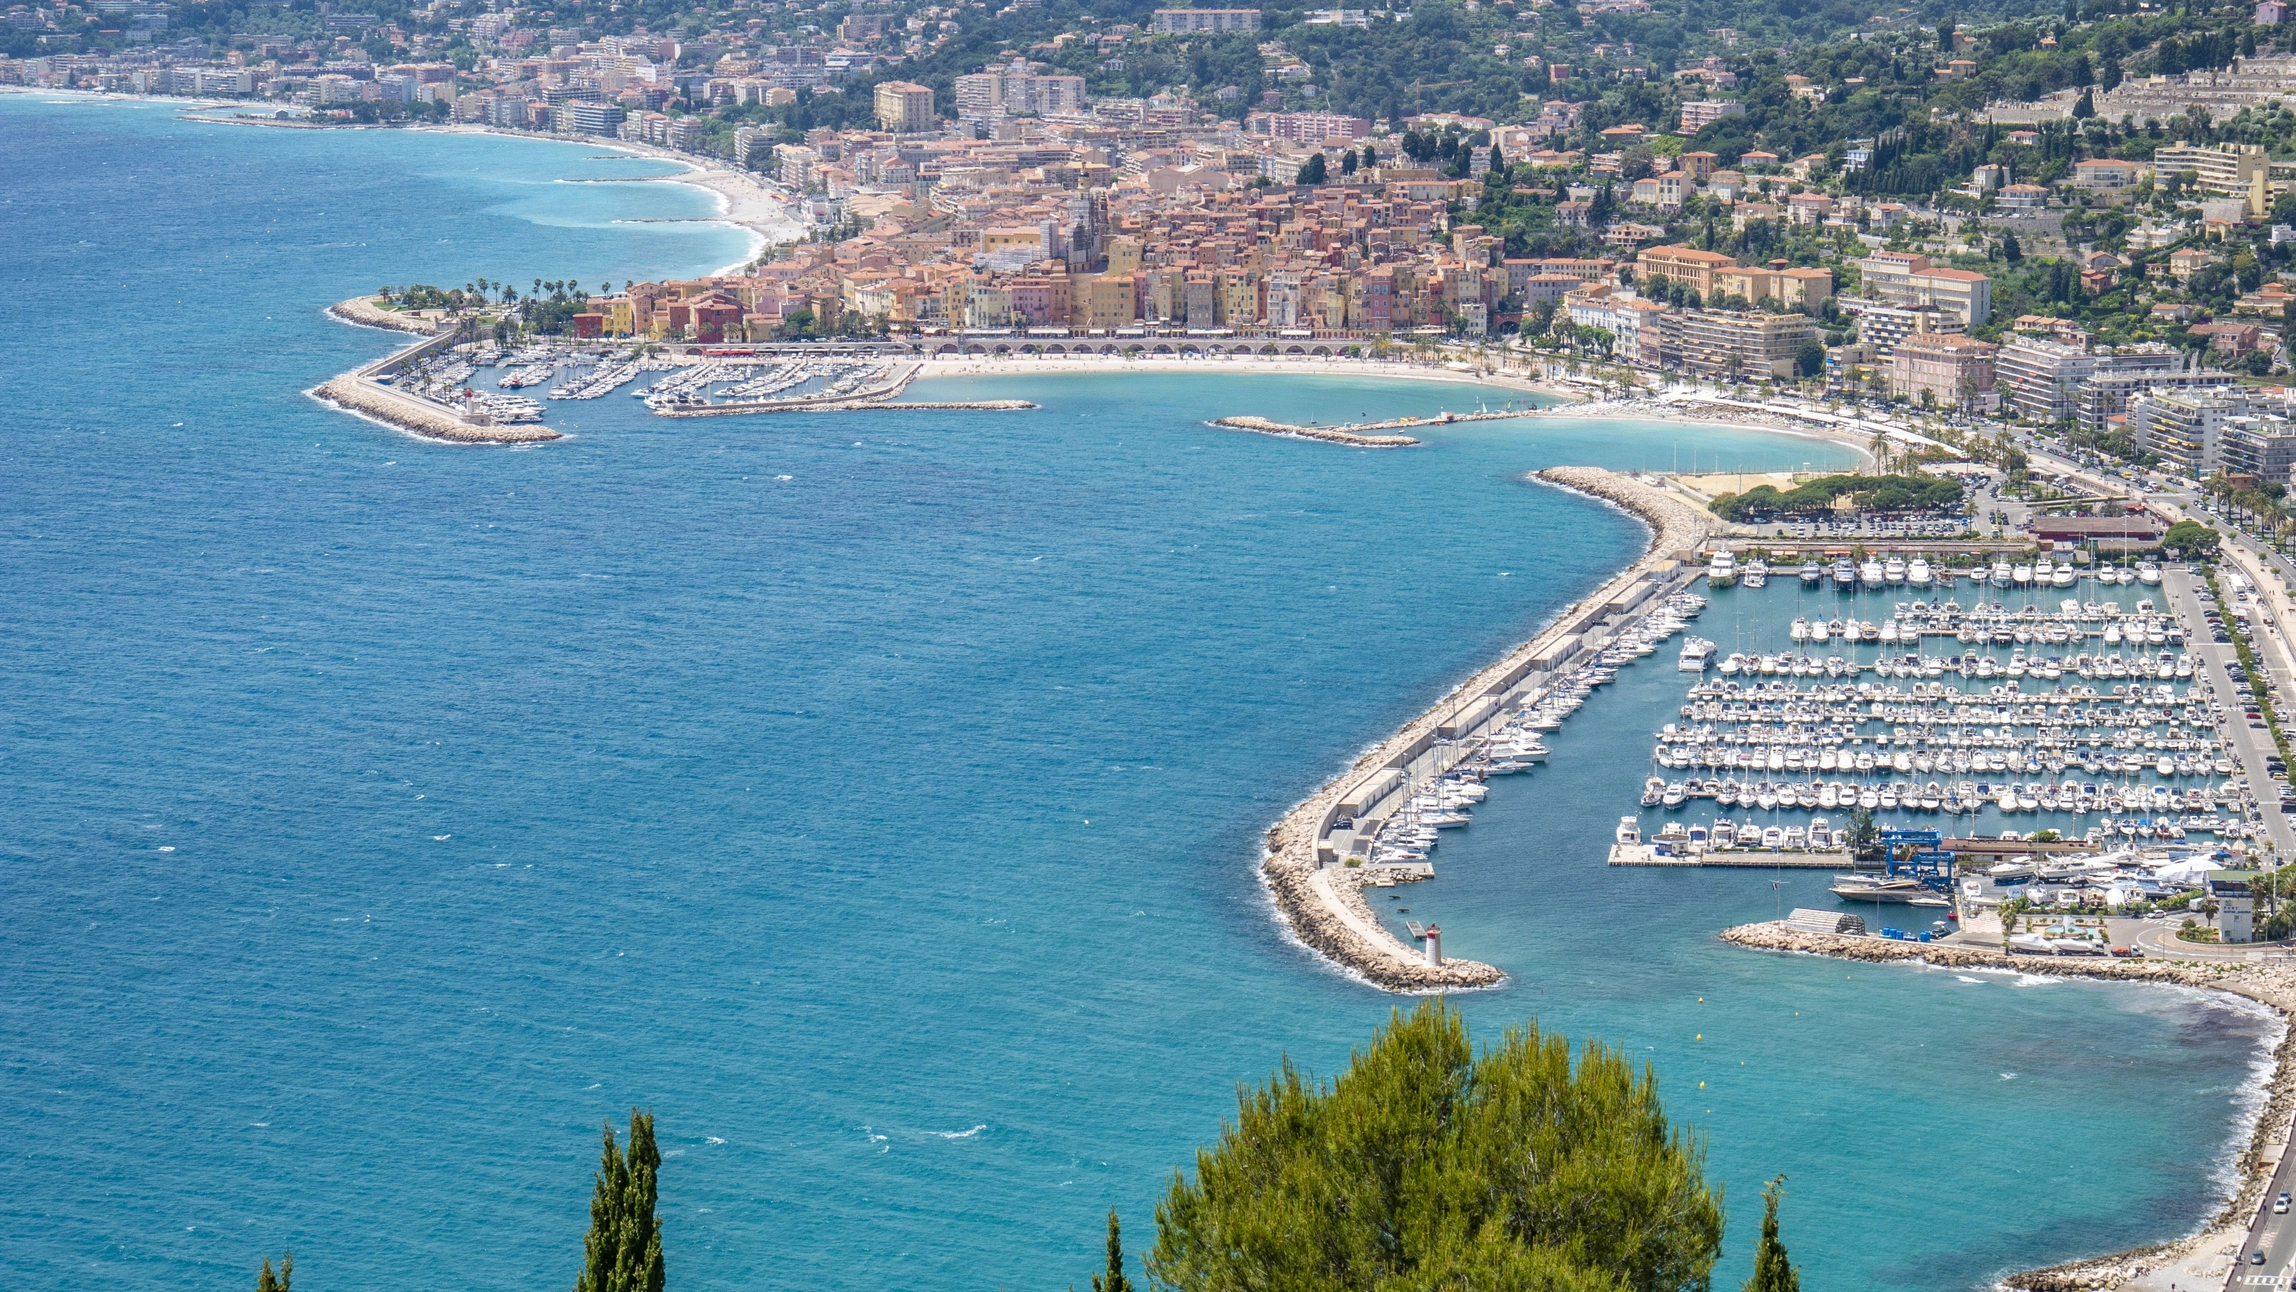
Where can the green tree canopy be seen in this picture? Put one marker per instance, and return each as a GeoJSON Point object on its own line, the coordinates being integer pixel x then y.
{"type": "Point", "coordinates": [2191, 539]}
{"type": "Point", "coordinates": [1426, 1166]}
{"type": "Point", "coordinates": [623, 1251]}
{"type": "Point", "coordinates": [1772, 1273]}
{"type": "Point", "coordinates": [1874, 493]}
{"type": "Point", "coordinates": [282, 1281]}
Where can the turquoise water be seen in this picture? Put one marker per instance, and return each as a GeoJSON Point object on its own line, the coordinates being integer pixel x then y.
{"type": "Point", "coordinates": [876, 799]}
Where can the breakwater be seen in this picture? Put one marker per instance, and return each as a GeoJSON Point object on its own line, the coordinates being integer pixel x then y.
{"type": "Point", "coordinates": [1313, 863]}
{"type": "Point", "coordinates": [358, 391]}
{"type": "Point", "coordinates": [2269, 983]}
{"type": "Point", "coordinates": [1363, 435]}
{"type": "Point", "coordinates": [419, 417]}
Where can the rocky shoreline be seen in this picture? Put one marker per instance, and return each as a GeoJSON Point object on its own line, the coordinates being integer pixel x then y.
{"type": "Point", "coordinates": [1324, 905]}
{"type": "Point", "coordinates": [353, 394]}
{"type": "Point", "coordinates": [359, 311]}
{"type": "Point", "coordinates": [2270, 984]}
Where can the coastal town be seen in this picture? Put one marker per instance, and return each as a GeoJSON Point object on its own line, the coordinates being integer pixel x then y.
{"type": "Point", "coordinates": [2124, 279]}
{"type": "Point", "coordinates": [2012, 694]}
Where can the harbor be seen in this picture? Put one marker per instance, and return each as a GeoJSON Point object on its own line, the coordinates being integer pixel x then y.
{"type": "Point", "coordinates": [1369, 821]}
{"type": "Point", "coordinates": [458, 386]}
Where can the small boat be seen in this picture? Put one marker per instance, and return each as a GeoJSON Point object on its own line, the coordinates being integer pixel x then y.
{"type": "Point", "coordinates": [1629, 830]}
{"type": "Point", "coordinates": [1896, 890]}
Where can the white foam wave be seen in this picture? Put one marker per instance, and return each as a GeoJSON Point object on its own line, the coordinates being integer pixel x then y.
{"type": "Point", "coordinates": [963, 1134]}
{"type": "Point", "coordinates": [1962, 977]}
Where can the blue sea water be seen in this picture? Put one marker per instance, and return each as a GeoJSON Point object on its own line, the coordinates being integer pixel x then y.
{"type": "Point", "coordinates": [875, 798]}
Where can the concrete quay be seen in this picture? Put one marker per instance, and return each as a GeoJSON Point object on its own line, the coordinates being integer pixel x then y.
{"type": "Point", "coordinates": [2203, 1262]}
{"type": "Point", "coordinates": [1307, 866]}
{"type": "Point", "coordinates": [1643, 854]}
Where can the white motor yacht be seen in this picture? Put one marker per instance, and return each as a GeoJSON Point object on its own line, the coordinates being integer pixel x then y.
{"type": "Point", "coordinates": [1871, 574]}
{"type": "Point", "coordinates": [2148, 573]}
{"type": "Point", "coordinates": [1722, 568]}
{"type": "Point", "coordinates": [1629, 830]}
{"type": "Point", "coordinates": [1893, 570]}
{"type": "Point", "coordinates": [1917, 573]}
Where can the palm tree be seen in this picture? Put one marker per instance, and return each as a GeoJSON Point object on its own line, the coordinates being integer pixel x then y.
{"type": "Point", "coordinates": [1880, 446]}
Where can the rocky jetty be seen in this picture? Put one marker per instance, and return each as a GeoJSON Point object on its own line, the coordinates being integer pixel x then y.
{"type": "Point", "coordinates": [1324, 905]}
{"type": "Point", "coordinates": [2270, 983]}
{"type": "Point", "coordinates": [1331, 434]}
{"type": "Point", "coordinates": [354, 393]}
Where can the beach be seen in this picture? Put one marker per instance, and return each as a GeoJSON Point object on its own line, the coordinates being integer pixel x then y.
{"type": "Point", "coordinates": [2207, 1254]}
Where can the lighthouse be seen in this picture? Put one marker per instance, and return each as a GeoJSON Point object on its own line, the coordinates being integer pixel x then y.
{"type": "Point", "coordinates": [1434, 944]}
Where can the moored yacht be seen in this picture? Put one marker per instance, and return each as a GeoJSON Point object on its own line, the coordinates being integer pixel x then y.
{"type": "Point", "coordinates": [1756, 573]}
{"type": "Point", "coordinates": [1722, 567]}
{"type": "Point", "coordinates": [2148, 573]}
{"type": "Point", "coordinates": [1893, 570]}
{"type": "Point", "coordinates": [1811, 572]}
{"type": "Point", "coordinates": [1629, 830]}
{"type": "Point", "coordinates": [1917, 573]}
{"type": "Point", "coordinates": [1871, 573]}
{"type": "Point", "coordinates": [1697, 653]}
{"type": "Point", "coordinates": [1896, 890]}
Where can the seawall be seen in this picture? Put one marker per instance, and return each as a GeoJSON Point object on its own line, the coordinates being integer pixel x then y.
{"type": "Point", "coordinates": [2269, 983]}
{"type": "Point", "coordinates": [1305, 868]}
{"type": "Point", "coordinates": [357, 391]}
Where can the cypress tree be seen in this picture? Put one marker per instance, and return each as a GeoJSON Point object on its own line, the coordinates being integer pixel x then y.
{"type": "Point", "coordinates": [269, 1282]}
{"type": "Point", "coordinates": [1771, 1272]}
{"type": "Point", "coordinates": [623, 1250]}
{"type": "Point", "coordinates": [1114, 1280]}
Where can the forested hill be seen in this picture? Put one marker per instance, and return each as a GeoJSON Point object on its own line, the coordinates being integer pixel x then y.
{"type": "Point", "coordinates": [1460, 56]}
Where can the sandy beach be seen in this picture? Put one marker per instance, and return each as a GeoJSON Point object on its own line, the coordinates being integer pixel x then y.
{"type": "Point", "coordinates": [743, 199]}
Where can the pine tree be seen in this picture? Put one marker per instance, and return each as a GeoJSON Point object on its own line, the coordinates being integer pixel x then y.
{"type": "Point", "coordinates": [1114, 1280]}
{"type": "Point", "coordinates": [1771, 1272]}
{"type": "Point", "coordinates": [269, 1282]}
{"type": "Point", "coordinates": [623, 1250]}
{"type": "Point", "coordinates": [1427, 1165]}
{"type": "Point", "coordinates": [2085, 107]}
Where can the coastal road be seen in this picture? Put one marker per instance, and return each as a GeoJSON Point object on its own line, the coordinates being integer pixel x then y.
{"type": "Point", "coordinates": [2274, 1235]}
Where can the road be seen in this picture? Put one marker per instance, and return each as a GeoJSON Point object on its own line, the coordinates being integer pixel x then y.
{"type": "Point", "coordinates": [2250, 742]}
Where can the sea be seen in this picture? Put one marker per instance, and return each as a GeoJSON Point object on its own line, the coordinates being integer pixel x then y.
{"type": "Point", "coordinates": [876, 798]}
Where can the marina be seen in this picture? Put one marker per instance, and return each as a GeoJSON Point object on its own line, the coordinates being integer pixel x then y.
{"type": "Point", "coordinates": [2040, 740]}
{"type": "Point", "coordinates": [460, 387]}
